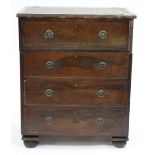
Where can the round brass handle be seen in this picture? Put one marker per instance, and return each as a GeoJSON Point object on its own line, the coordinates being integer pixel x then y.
{"type": "Point", "coordinates": [103, 34]}
{"type": "Point", "coordinates": [102, 65]}
{"type": "Point", "coordinates": [49, 120]}
{"type": "Point", "coordinates": [48, 34]}
{"type": "Point", "coordinates": [99, 121]}
{"type": "Point", "coordinates": [49, 92]}
{"type": "Point", "coordinates": [101, 93]}
{"type": "Point", "coordinates": [50, 64]}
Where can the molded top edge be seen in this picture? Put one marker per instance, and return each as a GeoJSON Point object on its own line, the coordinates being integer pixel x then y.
{"type": "Point", "coordinates": [64, 12]}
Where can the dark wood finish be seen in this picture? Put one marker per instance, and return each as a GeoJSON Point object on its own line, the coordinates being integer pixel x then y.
{"type": "Point", "coordinates": [76, 64]}
{"type": "Point", "coordinates": [75, 34]}
{"type": "Point", "coordinates": [76, 92]}
{"type": "Point", "coordinates": [76, 121]}
{"type": "Point", "coordinates": [89, 78]}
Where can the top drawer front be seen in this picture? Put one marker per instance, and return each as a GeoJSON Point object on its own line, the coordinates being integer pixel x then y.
{"type": "Point", "coordinates": [84, 34]}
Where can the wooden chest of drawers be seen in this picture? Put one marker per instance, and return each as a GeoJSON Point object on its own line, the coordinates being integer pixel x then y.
{"type": "Point", "coordinates": [75, 73]}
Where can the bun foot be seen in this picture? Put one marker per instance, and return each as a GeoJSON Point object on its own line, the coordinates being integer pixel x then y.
{"type": "Point", "coordinates": [119, 144]}
{"type": "Point", "coordinates": [30, 141]}
{"type": "Point", "coordinates": [30, 144]}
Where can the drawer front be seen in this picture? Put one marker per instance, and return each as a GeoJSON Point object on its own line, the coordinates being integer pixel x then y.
{"type": "Point", "coordinates": [76, 92]}
{"type": "Point", "coordinates": [75, 122]}
{"type": "Point", "coordinates": [76, 64]}
{"type": "Point", "coordinates": [75, 34]}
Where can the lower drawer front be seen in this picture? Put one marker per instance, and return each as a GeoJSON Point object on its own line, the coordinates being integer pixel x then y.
{"type": "Point", "coordinates": [76, 92]}
{"type": "Point", "coordinates": [75, 121]}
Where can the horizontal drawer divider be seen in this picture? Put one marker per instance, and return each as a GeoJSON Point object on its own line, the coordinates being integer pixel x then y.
{"type": "Point", "coordinates": [80, 106]}
{"type": "Point", "coordinates": [71, 106]}
{"type": "Point", "coordinates": [53, 77]}
{"type": "Point", "coordinates": [104, 50]}
{"type": "Point", "coordinates": [76, 50]}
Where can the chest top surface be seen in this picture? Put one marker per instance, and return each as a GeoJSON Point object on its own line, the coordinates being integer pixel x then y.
{"type": "Point", "coordinates": [62, 12]}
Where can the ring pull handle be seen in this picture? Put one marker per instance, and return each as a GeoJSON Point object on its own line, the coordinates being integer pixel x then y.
{"type": "Point", "coordinates": [103, 34]}
{"type": "Point", "coordinates": [99, 121]}
{"type": "Point", "coordinates": [49, 92]}
{"type": "Point", "coordinates": [101, 93]}
{"type": "Point", "coordinates": [49, 120]}
{"type": "Point", "coordinates": [48, 34]}
{"type": "Point", "coordinates": [102, 65]}
{"type": "Point", "coordinates": [49, 64]}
